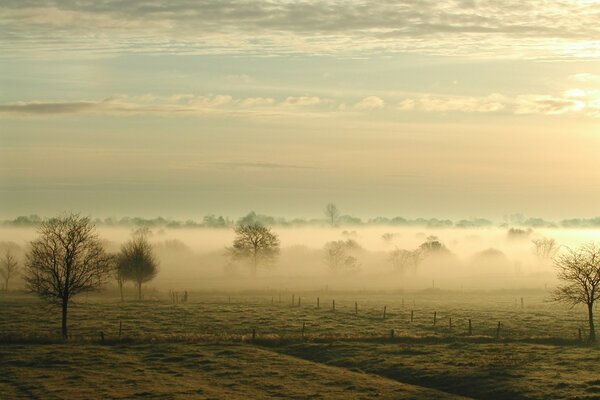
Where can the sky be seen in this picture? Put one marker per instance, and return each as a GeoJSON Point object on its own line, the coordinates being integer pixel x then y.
{"type": "Point", "coordinates": [448, 109]}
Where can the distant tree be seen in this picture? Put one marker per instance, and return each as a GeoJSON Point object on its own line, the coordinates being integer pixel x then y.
{"type": "Point", "coordinates": [388, 237]}
{"type": "Point", "coordinates": [136, 261]}
{"type": "Point", "coordinates": [9, 267]}
{"type": "Point", "coordinates": [332, 213]}
{"type": "Point", "coordinates": [545, 249]}
{"type": "Point", "coordinates": [433, 246]}
{"type": "Point", "coordinates": [405, 260]}
{"type": "Point", "coordinates": [256, 244]}
{"type": "Point", "coordinates": [338, 258]}
{"type": "Point", "coordinates": [518, 233]}
{"type": "Point", "coordinates": [66, 259]}
{"type": "Point", "coordinates": [580, 271]}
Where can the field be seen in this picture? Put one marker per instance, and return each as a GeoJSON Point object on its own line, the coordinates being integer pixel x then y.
{"type": "Point", "coordinates": [205, 348]}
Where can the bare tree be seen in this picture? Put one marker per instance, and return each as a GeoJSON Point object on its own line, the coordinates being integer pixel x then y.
{"type": "Point", "coordinates": [545, 249]}
{"type": "Point", "coordinates": [332, 213]}
{"type": "Point", "coordinates": [255, 243]}
{"type": "Point", "coordinates": [580, 271]}
{"type": "Point", "coordinates": [136, 261]}
{"type": "Point", "coordinates": [338, 258]}
{"type": "Point", "coordinates": [10, 267]}
{"type": "Point", "coordinates": [405, 260]}
{"type": "Point", "coordinates": [66, 259]}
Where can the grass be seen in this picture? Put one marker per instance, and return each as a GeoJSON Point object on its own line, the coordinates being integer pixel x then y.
{"type": "Point", "coordinates": [203, 348]}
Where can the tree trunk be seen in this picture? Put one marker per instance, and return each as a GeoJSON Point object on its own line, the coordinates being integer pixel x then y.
{"type": "Point", "coordinates": [592, 338]}
{"type": "Point", "coordinates": [139, 290]}
{"type": "Point", "coordinates": [64, 319]}
{"type": "Point", "coordinates": [121, 289]}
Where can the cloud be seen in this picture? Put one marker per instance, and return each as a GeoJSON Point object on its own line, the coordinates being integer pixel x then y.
{"type": "Point", "coordinates": [433, 103]}
{"type": "Point", "coordinates": [546, 104]}
{"type": "Point", "coordinates": [488, 28]}
{"type": "Point", "coordinates": [584, 102]}
{"type": "Point", "coordinates": [258, 165]}
{"type": "Point", "coordinates": [370, 103]}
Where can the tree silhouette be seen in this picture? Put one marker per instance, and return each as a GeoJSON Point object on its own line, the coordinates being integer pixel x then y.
{"type": "Point", "coordinates": [66, 259]}
{"type": "Point", "coordinates": [136, 261]}
{"type": "Point", "coordinates": [332, 213]}
{"type": "Point", "coordinates": [10, 267]}
{"type": "Point", "coordinates": [580, 271]}
{"type": "Point", "coordinates": [255, 243]}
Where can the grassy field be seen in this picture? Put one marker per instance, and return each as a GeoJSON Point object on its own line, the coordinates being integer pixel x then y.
{"type": "Point", "coordinates": [204, 348]}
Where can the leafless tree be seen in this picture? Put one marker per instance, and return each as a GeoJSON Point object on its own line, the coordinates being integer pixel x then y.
{"type": "Point", "coordinates": [545, 249]}
{"type": "Point", "coordinates": [255, 243]}
{"type": "Point", "coordinates": [405, 260]}
{"type": "Point", "coordinates": [10, 267]}
{"type": "Point", "coordinates": [332, 213]}
{"type": "Point", "coordinates": [337, 256]}
{"type": "Point", "coordinates": [136, 261]}
{"type": "Point", "coordinates": [66, 259]}
{"type": "Point", "coordinates": [580, 271]}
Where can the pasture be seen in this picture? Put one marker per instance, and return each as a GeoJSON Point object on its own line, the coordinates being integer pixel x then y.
{"type": "Point", "coordinates": [276, 344]}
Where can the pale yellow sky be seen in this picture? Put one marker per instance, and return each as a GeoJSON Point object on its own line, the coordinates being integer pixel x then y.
{"type": "Point", "coordinates": [433, 108]}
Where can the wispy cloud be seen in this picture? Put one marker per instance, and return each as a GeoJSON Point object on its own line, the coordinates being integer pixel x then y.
{"type": "Point", "coordinates": [539, 28]}
{"type": "Point", "coordinates": [575, 101]}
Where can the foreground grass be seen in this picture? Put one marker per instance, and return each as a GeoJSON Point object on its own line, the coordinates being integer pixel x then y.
{"type": "Point", "coordinates": [182, 371]}
{"type": "Point", "coordinates": [477, 370]}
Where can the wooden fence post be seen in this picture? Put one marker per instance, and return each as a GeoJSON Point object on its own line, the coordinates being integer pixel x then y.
{"type": "Point", "coordinates": [412, 315]}
{"type": "Point", "coordinates": [450, 323]}
{"type": "Point", "coordinates": [391, 334]}
{"type": "Point", "coordinates": [356, 308]}
{"type": "Point", "coordinates": [384, 310]}
{"type": "Point", "coordinates": [299, 301]}
{"type": "Point", "coordinates": [498, 330]}
{"type": "Point", "coordinates": [580, 337]}
{"type": "Point", "coordinates": [434, 317]}
{"type": "Point", "coordinates": [333, 305]}
{"type": "Point", "coordinates": [102, 336]}
{"type": "Point", "coordinates": [522, 303]}
{"type": "Point", "coordinates": [293, 299]}
{"type": "Point", "coordinates": [303, 328]}
{"type": "Point", "coordinates": [318, 303]}
{"type": "Point", "coordinates": [470, 328]}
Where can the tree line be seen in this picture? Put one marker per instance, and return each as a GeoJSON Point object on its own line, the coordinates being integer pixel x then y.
{"type": "Point", "coordinates": [67, 258]}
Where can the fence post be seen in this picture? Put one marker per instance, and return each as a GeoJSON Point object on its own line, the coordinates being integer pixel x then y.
{"type": "Point", "coordinates": [522, 303]}
{"type": "Point", "coordinates": [293, 299]}
{"type": "Point", "coordinates": [412, 314]}
{"type": "Point", "coordinates": [498, 330]}
{"type": "Point", "coordinates": [384, 310]}
{"type": "Point", "coordinates": [333, 305]}
{"type": "Point", "coordinates": [303, 328]}
{"type": "Point", "coordinates": [470, 328]}
{"type": "Point", "coordinates": [102, 336]}
{"type": "Point", "coordinates": [391, 334]}
{"type": "Point", "coordinates": [450, 323]}
{"type": "Point", "coordinates": [434, 317]}
{"type": "Point", "coordinates": [318, 303]}
{"type": "Point", "coordinates": [120, 328]}
{"type": "Point", "coordinates": [299, 301]}
{"type": "Point", "coordinates": [580, 337]}
{"type": "Point", "coordinates": [356, 308]}
{"type": "Point", "coordinates": [253, 334]}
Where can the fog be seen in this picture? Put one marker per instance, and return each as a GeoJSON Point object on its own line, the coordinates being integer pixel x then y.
{"type": "Point", "coordinates": [476, 259]}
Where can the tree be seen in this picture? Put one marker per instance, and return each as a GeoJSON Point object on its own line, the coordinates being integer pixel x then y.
{"type": "Point", "coordinates": [66, 259]}
{"type": "Point", "coordinates": [256, 244]}
{"type": "Point", "coordinates": [332, 213]}
{"type": "Point", "coordinates": [136, 261]}
{"type": "Point", "coordinates": [545, 249]}
{"type": "Point", "coordinates": [580, 271]}
{"type": "Point", "coordinates": [405, 260]}
{"type": "Point", "coordinates": [10, 267]}
{"type": "Point", "coordinates": [337, 256]}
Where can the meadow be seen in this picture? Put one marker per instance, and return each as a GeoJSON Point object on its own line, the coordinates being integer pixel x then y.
{"type": "Point", "coordinates": [260, 344]}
